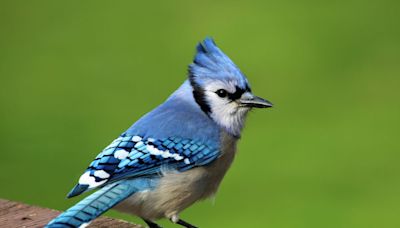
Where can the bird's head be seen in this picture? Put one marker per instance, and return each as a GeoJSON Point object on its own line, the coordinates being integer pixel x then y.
{"type": "Point", "coordinates": [221, 89]}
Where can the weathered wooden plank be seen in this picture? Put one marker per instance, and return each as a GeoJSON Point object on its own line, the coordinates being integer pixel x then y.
{"type": "Point", "coordinates": [15, 214]}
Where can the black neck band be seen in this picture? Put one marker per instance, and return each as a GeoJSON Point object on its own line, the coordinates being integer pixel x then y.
{"type": "Point", "coordinates": [199, 96]}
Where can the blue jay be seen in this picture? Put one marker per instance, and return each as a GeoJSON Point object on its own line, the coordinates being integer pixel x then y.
{"type": "Point", "coordinates": [176, 154]}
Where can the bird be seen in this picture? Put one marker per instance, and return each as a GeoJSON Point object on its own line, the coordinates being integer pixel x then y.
{"type": "Point", "coordinates": [175, 155]}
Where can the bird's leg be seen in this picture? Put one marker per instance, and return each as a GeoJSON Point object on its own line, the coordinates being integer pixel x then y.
{"type": "Point", "coordinates": [179, 221]}
{"type": "Point", "coordinates": [185, 224]}
{"type": "Point", "coordinates": [151, 224]}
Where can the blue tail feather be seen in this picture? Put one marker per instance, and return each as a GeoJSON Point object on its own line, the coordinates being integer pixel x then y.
{"type": "Point", "coordinates": [77, 190]}
{"type": "Point", "coordinates": [99, 202]}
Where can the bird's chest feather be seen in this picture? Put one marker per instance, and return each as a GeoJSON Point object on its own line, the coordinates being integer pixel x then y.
{"type": "Point", "coordinates": [178, 190]}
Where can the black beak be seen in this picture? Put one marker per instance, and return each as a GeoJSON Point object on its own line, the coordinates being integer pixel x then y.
{"type": "Point", "coordinates": [255, 102]}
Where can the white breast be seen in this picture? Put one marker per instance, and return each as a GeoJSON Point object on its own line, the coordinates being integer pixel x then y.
{"type": "Point", "coordinates": [179, 190]}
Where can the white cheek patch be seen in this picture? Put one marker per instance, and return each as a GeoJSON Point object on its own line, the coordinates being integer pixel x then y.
{"type": "Point", "coordinates": [226, 113]}
{"type": "Point", "coordinates": [121, 154]}
{"type": "Point", "coordinates": [86, 179]}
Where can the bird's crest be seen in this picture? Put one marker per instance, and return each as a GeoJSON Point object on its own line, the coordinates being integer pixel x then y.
{"type": "Point", "coordinates": [211, 63]}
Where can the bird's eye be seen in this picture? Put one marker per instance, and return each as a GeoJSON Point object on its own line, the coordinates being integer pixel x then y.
{"type": "Point", "coordinates": [221, 93]}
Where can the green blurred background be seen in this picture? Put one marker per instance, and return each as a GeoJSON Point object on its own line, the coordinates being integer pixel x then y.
{"type": "Point", "coordinates": [75, 74]}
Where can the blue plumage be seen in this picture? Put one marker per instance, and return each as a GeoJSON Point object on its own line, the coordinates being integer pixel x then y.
{"type": "Point", "coordinates": [210, 63]}
{"type": "Point", "coordinates": [99, 202]}
{"type": "Point", "coordinates": [131, 156]}
{"type": "Point", "coordinates": [176, 154]}
{"type": "Point", "coordinates": [167, 120]}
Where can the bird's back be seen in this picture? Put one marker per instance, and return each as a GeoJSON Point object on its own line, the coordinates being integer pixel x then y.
{"type": "Point", "coordinates": [178, 116]}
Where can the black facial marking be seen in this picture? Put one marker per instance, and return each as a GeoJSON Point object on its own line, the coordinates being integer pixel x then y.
{"type": "Point", "coordinates": [237, 94]}
{"type": "Point", "coordinates": [199, 96]}
{"type": "Point", "coordinates": [248, 89]}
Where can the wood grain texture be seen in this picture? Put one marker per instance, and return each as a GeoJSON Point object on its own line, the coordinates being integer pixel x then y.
{"type": "Point", "coordinates": [15, 214]}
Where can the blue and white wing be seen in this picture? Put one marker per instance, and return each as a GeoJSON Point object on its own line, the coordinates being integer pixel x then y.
{"type": "Point", "coordinates": [132, 156]}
